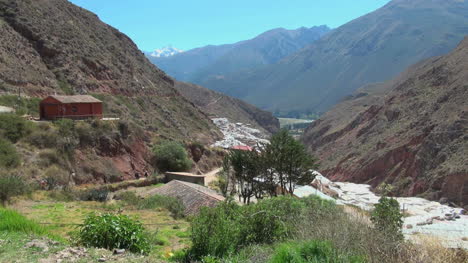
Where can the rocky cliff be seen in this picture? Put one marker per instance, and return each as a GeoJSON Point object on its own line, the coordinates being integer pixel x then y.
{"type": "Point", "coordinates": [412, 134]}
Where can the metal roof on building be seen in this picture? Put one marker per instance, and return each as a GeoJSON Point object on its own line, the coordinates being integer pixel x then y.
{"type": "Point", "coordinates": [76, 99]}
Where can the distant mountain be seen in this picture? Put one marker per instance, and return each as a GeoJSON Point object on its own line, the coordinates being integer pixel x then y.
{"type": "Point", "coordinates": [164, 52]}
{"type": "Point", "coordinates": [218, 105]}
{"type": "Point", "coordinates": [372, 48]}
{"type": "Point", "coordinates": [198, 65]}
{"type": "Point", "coordinates": [410, 132]}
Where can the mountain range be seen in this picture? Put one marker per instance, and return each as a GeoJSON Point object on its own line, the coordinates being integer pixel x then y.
{"type": "Point", "coordinates": [200, 64]}
{"type": "Point", "coordinates": [410, 132]}
{"type": "Point", "coordinates": [372, 48]}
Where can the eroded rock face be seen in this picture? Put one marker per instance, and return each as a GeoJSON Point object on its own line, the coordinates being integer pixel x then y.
{"type": "Point", "coordinates": [413, 135]}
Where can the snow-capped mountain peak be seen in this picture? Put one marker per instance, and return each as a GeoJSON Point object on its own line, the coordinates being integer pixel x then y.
{"type": "Point", "coordinates": [166, 52]}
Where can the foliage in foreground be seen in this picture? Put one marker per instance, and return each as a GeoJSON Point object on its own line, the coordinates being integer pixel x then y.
{"type": "Point", "coordinates": [311, 252]}
{"type": "Point", "coordinates": [12, 221]}
{"type": "Point", "coordinates": [233, 233]}
{"type": "Point", "coordinates": [171, 156]}
{"type": "Point", "coordinates": [387, 217]}
{"type": "Point", "coordinates": [111, 231]}
{"type": "Point", "coordinates": [227, 228]}
{"type": "Point", "coordinates": [9, 158]}
{"type": "Point", "coordinates": [11, 186]}
{"type": "Point", "coordinates": [13, 127]}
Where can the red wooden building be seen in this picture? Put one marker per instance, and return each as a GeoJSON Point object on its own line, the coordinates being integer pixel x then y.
{"type": "Point", "coordinates": [71, 107]}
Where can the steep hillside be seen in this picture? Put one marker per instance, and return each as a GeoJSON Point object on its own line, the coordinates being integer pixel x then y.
{"type": "Point", "coordinates": [412, 135]}
{"type": "Point", "coordinates": [218, 105]}
{"type": "Point", "coordinates": [201, 64]}
{"type": "Point", "coordinates": [53, 46]}
{"type": "Point", "coordinates": [372, 48]}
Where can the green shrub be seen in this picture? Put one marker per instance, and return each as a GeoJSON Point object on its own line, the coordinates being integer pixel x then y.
{"type": "Point", "coordinates": [56, 177]}
{"type": "Point", "coordinates": [271, 220]}
{"type": "Point", "coordinates": [11, 186]}
{"type": "Point", "coordinates": [312, 252]}
{"type": "Point", "coordinates": [43, 139]}
{"type": "Point", "coordinates": [85, 134]}
{"type": "Point", "coordinates": [12, 221]}
{"type": "Point", "coordinates": [13, 127]}
{"type": "Point", "coordinates": [387, 217]}
{"type": "Point", "coordinates": [216, 231]}
{"type": "Point", "coordinates": [112, 231]}
{"type": "Point", "coordinates": [171, 156]}
{"type": "Point", "coordinates": [66, 127]}
{"type": "Point", "coordinates": [9, 158]}
{"type": "Point", "coordinates": [225, 229]}
{"type": "Point", "coordinates": [49, 157]}
{"type": "Point", "coordinates": [22, 105]}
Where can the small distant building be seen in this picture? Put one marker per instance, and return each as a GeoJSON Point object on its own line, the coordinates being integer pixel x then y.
{"type": "Point", "coordinates": [70, 107]}
{"type": "Point", "coordinates": [242, 148]}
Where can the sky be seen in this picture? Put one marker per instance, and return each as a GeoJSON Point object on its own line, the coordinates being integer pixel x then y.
{"type": "Point", "coordinates": [188, 24]}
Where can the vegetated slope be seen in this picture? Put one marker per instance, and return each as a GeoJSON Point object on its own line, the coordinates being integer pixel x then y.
{"type": "Point", "coordinates": [372, 48]}
{"type": "Point", "coordinates": [218, 105]}
{"type": "Point", "coordinates": [53, 46]}
{"type": "Point", "coordinates": [414, 137]}
{"type": "Point", "coordinates": [200, 64]}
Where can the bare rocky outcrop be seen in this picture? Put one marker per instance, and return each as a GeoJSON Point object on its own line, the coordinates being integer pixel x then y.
{"type": "Point", "coordinates": [410, 132]}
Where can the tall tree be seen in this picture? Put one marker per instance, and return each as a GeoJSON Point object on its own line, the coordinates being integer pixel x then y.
{"type": "Point", "coordinates": [289, 162]}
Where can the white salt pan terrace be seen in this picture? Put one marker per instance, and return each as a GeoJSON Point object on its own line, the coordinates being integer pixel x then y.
{"type": "Point", "coordinates": [425, 217]}
{"type": "Point", "coordinates": [236, 134]}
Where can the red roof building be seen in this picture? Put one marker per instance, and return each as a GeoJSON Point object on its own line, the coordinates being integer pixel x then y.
{"type": "Point", "coordinates": [242, 148]}
{"type": "Point", "coordinates": [71, 107]}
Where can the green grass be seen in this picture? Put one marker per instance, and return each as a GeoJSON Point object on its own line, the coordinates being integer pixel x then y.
{"type": "Point", "coordinates": [12, 221]}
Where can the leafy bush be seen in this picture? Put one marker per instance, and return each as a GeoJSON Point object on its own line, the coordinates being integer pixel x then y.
{"type": "Point", "coordinates": [172, 204]}
{"type": "Point", "coordinates": [66, 127]}
{"type": "Point", "coordinates": [223, 230]}
{"type": "Point", "coordinates": [13, 127]}
{"type": "Point", "coordinates": [387, 217]}
{"type": "Point", "coordinates": [49, 157]}
{"type": "Point", "coordinates": [227, 228]}
{"type": "Point", "coordinates": [9, 158]}
{"type": "Point", "coordinates": [12, 221]}
{"type": "Point", "coordinates": [311, 252]}
{"type": "Point", "coordinates": [112, 231]}
{"type": "Point", "coordinates": [56, 177]}
{"type": "Point", "coordinates": [171, 156]}
{"type": "Point", "coordinates": [22, 105]}
{"type": "Point", "coordinates": [43, 139]}
{"type": "Point", "coordinates": [11, 186]}
{"type": "Point", "coordinates": [216, 231]}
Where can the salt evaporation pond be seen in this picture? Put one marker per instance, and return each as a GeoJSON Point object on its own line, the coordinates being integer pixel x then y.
{"type": "Point", "coordinates": [426, 217]}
